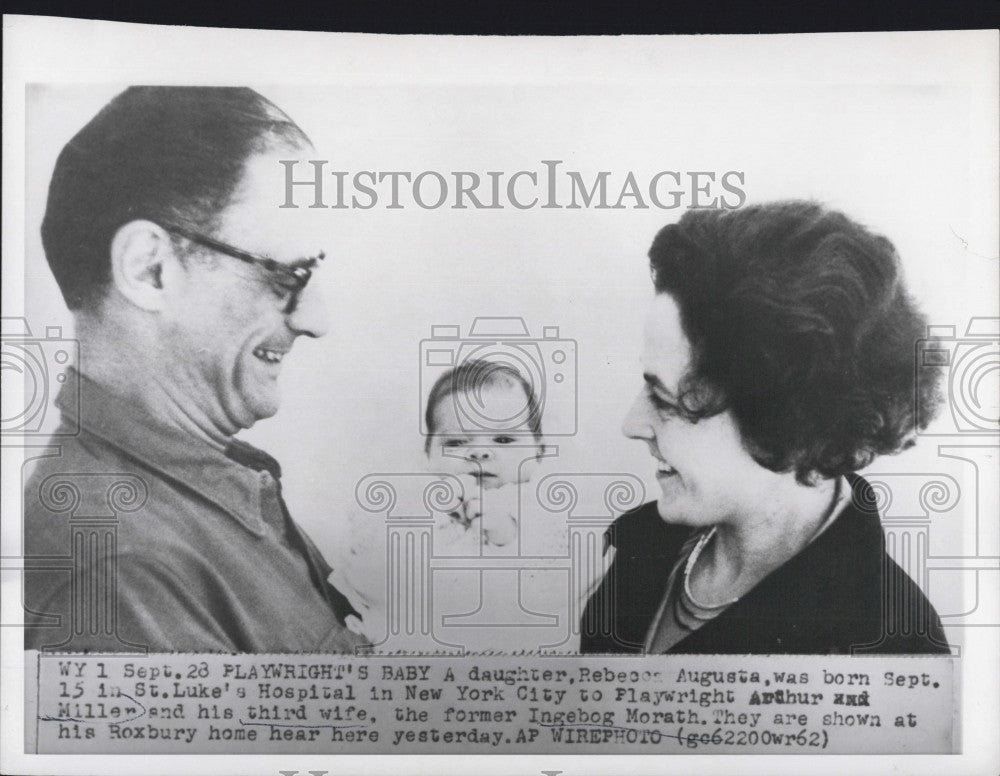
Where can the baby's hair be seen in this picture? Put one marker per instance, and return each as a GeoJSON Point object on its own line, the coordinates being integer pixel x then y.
{"type": "Point", "coordinates": [471, 376]}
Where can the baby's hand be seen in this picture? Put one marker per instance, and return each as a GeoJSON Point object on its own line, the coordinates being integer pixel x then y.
{"type": "Point", "coordinates": [499, 515]}
{"type": "Point", "coordinates": [499, 529]}
{"type": "Point", "coordinates": [471, 507]}
{"type": "Point", "coordinates": [489, 512]}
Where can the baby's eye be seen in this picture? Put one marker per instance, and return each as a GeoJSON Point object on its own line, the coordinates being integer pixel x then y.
{"type": "Point", "coordinates": [453, 443]}
{"type": "Point", "coordinates": [503, 440]}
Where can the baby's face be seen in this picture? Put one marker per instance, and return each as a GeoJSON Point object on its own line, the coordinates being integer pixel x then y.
{"type": "Point", "coordinates": [494, 457]}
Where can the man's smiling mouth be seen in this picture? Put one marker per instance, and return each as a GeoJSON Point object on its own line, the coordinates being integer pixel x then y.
{"type": "Point", "coordinates": [269, 356]}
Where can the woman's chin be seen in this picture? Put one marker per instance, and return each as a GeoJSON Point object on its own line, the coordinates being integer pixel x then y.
{"type": "Point", "coordinates": [673, 513]}
{"type": "Point", "coordinates": [668, 512]}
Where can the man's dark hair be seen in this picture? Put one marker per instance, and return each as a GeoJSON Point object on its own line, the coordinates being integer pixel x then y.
{"type": "Point", "coordinates": [173, 153]}
{"type": "Point", "coordinates": [470, 377]}
{"type": "Point", "coordinates": [799, 325]}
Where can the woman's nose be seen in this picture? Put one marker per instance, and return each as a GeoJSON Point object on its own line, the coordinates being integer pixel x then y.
{"type": "Point", "coordinates": [636, 424]}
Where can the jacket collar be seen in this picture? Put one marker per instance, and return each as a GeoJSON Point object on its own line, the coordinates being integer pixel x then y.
{"type": "Point", "coordinates": [230, 479]}
{"type": "Point", "coordinates": [839, 573]}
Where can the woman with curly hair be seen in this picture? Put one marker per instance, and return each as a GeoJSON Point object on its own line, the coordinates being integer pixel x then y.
{"type": "Point", "coordinates": [778, 361]}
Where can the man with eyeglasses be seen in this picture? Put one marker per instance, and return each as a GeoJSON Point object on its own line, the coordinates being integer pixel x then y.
{"type": "Point", "coordinates": [189, 286]}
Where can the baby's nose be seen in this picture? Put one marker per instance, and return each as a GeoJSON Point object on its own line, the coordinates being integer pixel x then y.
{"type": "Point", "coordinates": [480, 454]}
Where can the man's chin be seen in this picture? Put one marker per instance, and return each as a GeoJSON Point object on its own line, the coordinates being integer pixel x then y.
{"type": "Point", "coordinates": [266, 411]}
{"type": "Point", "coordinates": [257, 408]}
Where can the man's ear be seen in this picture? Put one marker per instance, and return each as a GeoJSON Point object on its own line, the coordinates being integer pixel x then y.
{"type": "Point", "coordinates": [141, 256]}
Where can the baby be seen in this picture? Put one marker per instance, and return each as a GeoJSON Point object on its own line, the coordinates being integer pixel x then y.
{"type": "Point", "coordinates": [483, 426]}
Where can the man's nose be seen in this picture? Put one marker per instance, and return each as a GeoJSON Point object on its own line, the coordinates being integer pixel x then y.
{"type": "Point", "coordinates": [309, 316]}
{"type": "Point", "coordinates": [636, 424]}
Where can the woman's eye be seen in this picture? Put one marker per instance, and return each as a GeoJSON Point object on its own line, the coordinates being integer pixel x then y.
{"type": "Point", "coordinates": [660, 403]}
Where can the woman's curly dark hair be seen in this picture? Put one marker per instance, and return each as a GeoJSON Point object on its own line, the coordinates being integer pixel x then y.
{"type": "Point", "coordinates": [800, 326]}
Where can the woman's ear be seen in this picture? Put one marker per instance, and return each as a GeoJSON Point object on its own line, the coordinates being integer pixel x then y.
{"type": "Point", "coordinates": [141, 253]}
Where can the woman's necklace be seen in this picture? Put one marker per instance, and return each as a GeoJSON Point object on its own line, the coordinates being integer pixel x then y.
{"type": "Point", "coordinates": [692, 559]}
{"type": "Point", "coordinates": [693, 605]}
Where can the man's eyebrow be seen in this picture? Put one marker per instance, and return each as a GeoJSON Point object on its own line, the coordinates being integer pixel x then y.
{"type": "Point", "coordinates": [656, 384]}
{"type": "Point", "coordinates": [309, 263]}
{"type": "Point", "coordinates": [308, 259]}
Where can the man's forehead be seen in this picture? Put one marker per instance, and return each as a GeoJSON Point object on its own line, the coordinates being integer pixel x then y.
{"type": "Point", "coordinates": [255, 220]}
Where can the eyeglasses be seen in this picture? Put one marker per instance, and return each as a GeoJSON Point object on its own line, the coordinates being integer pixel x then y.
{"type": "Point", "coordinates": [291, 278]}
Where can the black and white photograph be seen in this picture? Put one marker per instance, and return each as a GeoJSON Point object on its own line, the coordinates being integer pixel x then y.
{"type": "Point", "coordinates": [572, 398]}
